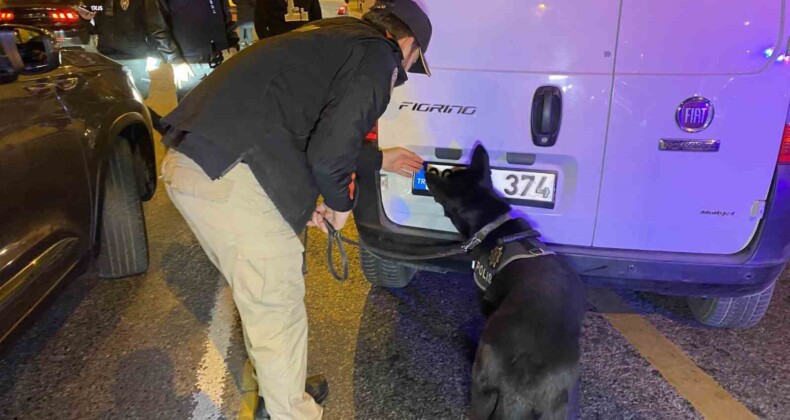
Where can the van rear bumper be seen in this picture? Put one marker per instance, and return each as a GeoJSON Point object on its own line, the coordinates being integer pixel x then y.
{"type": "Point", "coordinates": [746, 272]}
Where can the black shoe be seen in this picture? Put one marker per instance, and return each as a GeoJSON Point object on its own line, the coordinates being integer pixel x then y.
{"type": "Point", "coordinates": [260, 411]}
{"type": "Point", "coordinates": [317, 387]}
{"type": "Point", "coordinates": [156, 121]}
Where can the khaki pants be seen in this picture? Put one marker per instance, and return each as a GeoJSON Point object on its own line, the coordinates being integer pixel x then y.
{"type": "Point", "coordinates": [259, 254]}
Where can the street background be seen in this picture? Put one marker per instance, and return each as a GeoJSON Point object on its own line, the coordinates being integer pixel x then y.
{"type": "Point", "coordinates": [167, 345]}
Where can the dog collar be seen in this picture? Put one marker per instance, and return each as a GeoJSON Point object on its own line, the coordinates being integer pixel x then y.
{"type": "Point", "coordinates": [481, 234]}
{"type": "Point", "coordinates": [489, 265]}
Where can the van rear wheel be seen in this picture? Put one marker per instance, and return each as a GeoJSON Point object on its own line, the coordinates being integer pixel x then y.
{"type": "Point", "coordinates": [738, 312]}
{"type": "Point", "coordinates": [383, 272]}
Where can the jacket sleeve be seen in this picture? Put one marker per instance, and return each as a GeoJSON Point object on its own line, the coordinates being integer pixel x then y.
{"type": "Point", "coordinates": [335, 143]}
{"type": "Point", "coordinates": [369, 160]}
{"type": "Point", "coordinates": [158, 23]}
{"type": "Point", "coordinates": [230, 26]}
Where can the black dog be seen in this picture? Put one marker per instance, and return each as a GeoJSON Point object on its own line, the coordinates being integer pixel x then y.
{"type": "Point", "coordinates": [527, 362]}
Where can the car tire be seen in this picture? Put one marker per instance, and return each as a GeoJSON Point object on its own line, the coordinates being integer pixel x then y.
{"type": "Point", "coordinates": [123, 238]}
{"type": "Point", "coordinates": [383, 272]}
{"type": "Point", "coordinates": [732, 312]}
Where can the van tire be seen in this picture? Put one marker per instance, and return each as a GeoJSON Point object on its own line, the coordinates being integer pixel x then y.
{"type": "Point", "coordinates": [738, 312]}
{"type": "Point", "coordinates": [383, 272]}
{"type": "Point", "coordinates": [123, 238]}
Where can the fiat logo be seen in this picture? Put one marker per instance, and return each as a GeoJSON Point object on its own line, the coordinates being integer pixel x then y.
{"type": "Point", "coordinates": [694, 114]}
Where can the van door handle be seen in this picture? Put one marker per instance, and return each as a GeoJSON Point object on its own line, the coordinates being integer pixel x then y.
{"type": "Point", "coordinates": [546, 115]}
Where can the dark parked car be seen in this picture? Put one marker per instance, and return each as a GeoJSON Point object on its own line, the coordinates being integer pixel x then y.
{"type": "Point", "coordinates": [60, 17]}
{"type": "Point", "coordinates": [76, 160]}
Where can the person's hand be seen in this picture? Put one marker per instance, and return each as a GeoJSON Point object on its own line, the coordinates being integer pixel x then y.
{"type": "Point", "coordinates": [317, 219]}
{"type": "Point", "coordinates": [85, 13]}
{"type": "Point", "coordinates": [337, 218]}
{"type": "Point", "coordinates": [182, 73]}
{"type": "Point", "coordinates": [401, 161]}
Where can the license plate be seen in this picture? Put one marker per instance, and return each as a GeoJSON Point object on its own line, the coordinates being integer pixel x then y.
{"type": "Point", "coordinates": [526, 188]}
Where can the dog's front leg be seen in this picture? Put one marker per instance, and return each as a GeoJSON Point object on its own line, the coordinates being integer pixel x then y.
{"type": "Point", "coordinates": [485, 394]}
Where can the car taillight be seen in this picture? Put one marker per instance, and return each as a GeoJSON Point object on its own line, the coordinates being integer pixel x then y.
{"type": "Point", "coordinates": [64, 16]}
{"type": "Point", "coordinates": [784, 149]}
{"type": "Point", "coordinates": [374, 133]}
{"type": "Point", "coordinates": [342, 11]}
{"type": "Point", "coordinates": [6, 16]}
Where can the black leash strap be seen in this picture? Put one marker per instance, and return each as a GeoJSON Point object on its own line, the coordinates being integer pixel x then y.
{"type": "Point", "coordinates": [518, 236]}
{"type": "Point", "coordinates": [336, 239]}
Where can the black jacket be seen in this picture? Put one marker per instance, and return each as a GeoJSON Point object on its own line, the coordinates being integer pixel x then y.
{"type": "Point", "coordinates": [122, 33]}
{"type": "Point", "coordinates": [270, 16]}
{"type": "Point", "coordinates": [191, 30]}
{"type": "Point", "coordinates": [295, 108]}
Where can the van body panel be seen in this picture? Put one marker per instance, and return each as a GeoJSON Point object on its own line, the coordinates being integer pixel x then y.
{"type": "Point", "coordinates": [555, 36]}
{"type": "Point", "coordinates": [698, 37]}
{"type": "Point", "coordinates": [707, 202]}
{"type": "Point", "coordinates": [487, 66]}
{"type": "Point", "coordinates": [623, 70]}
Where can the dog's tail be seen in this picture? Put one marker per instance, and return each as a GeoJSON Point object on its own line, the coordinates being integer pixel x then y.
{"type": "Point", "coordinates": [553, 397]}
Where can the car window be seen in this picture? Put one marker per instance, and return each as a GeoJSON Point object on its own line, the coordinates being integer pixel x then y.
{"type": "Point", "coordinates": [6, 68]}
{"type": "Point", "coordinates": [31, 49]}
{"type": "Point", "coordinates": [5, 63]}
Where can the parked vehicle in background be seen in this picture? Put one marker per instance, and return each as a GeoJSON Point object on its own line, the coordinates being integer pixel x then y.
{"type": "Point", "coordinates": [60, 17]}
{"type": "Point", "coordinates": [77, 160]}
{"type": "Point", "coordinates": [333, 8]}
{"type": "Point", "coordinates": [641, 140]}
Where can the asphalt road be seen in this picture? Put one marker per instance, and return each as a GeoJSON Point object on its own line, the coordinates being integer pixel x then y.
{"type": "Point", "coordinates": [167, 345]}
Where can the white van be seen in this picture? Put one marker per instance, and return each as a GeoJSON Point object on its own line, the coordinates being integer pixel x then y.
{"type": "Point", "coordinates": [640, 138]}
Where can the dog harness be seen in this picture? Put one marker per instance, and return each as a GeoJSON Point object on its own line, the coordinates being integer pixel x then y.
{"type": "Point", "coordinates": [481, 234]}
{"type": "Point", "coordinates": [508, 249]}
{"type": "Point", "coordinates": [489, 265]}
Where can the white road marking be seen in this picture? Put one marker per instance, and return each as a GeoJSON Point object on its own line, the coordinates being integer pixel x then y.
{"type": "Point", "coordinates": [213, 370]}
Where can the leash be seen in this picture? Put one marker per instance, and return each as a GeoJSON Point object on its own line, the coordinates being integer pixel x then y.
{"type": "Point", "coordinates": [333, 239]}
{"type": "Point", "coordinates": [336, 240]}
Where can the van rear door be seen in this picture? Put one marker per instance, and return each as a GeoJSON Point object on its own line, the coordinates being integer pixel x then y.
{"type": "Point", "coordinates": [488, 60]}
{"type": "Point", "coordinates": [704, 192]}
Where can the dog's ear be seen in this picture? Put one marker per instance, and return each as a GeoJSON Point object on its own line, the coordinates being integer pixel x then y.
{"type": "Point", "coordinates": [480, 164]}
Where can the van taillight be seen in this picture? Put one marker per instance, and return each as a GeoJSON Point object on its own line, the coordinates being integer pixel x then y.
{"type": "Point", "coordinates": [374, 133]}
{"type": "Point", "coordinates": [6, 16]}
{"type": "Point", "coordinates": [784, 149]}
